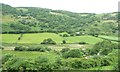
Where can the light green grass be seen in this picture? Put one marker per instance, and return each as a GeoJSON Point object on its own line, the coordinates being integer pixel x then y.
{"type": "Point", "coordinates": [39, 37]}
{"type": "Point", "coordinates": [9, 38]}
{"type": "Point", "coordinates": [87, 39]}
{"type": "Point", "coordinates": [109, 37]}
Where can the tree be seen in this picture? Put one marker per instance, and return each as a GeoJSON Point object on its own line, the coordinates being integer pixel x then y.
{"type": "Point", "coordinates": [65, 35]}
{"type": "Point", "coordinates": [48, 41]}
{"type": "Point", "coordinates": [74, 53]}
{"type": "Point", "coordinates": [64, 42]}
{"type": "Point", "coordinates": [103, 47]}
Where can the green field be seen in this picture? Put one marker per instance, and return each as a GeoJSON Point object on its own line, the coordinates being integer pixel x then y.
{"type": "Point", "coordinates": [9, 38]}
{"type": "Point", "coordinates": [109, 37]}
{"type": "Point", "coordinates": [37, 38]}
{"type": "Point", "coordinates": [87, 39]}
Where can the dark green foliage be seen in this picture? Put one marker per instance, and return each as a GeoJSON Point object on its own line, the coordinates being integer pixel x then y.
{"type": "Point", "coordinates": [41, 59]}
{"type": "Point", "coordinates": [65, 35]}
{"type": "Point", "coordinates": [43, 63]}
{"type": "Point", "coordinates": [18, 64]}
{"type": "Point", "coordinates": [74, 53]}
{"type": "Point", "coordinates": [64, 41]}
{"type": "Point", "coordinates": [77, 63]}
{"type": "Point", "coordinates": [8, 9]}
{"type": "Point", "coordinates": [20, 48]}
{"type": "Point", "coordinates": [103, 47]}
{"type": "Point", "coordinates": [33, 48]}
{"type": "Point", "coordinates": [82, 43]}
{"type": "Point", "coordinates": [47, 20]}
{"type": "Point", "coordinates": [6, 57]}
{"type": "Point", "coordinates": [1, 48]}
{"type": "Point", "coordinates": [48, 41]}
{"type": "Point", "coordinates": [64, 50]}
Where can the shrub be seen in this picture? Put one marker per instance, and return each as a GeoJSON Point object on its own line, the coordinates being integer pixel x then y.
{"type": "Point", "coordinates": [2, 48]}
{"type": "Point", "coordinates": [75, 53]}
{"type": "Point", "coordinates": [33, 48]}
{"type": "Point", "coordinates": [41, 59]}
{"type": "Point", "coordinates": [103, 47]}
{"type": "Point", "coordinates": [65, 35]}
{"type": "Point", "coordinates": [82, 43]}
{"type": "Point", "coordinates": [64, 50]}
{"type": "Point", "coordinates": [20, 64]}
{"type": "Point", "coordinates": [20, 48]}
{"type": "Point", "coordinates": [48, 41]}
{"type": "Point", "coordinates": [6, 57]}
{"type": "Point", "coordinates": [77, 63]}
{"type": "Point", "coordinates": [64, 42]}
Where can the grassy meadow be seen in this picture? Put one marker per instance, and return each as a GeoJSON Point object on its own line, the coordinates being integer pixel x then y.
{"type": "Point", "coordinates": [37, 38]}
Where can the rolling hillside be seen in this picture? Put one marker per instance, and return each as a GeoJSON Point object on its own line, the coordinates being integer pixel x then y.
{"type": "Point", "coordinates": [34, 20]}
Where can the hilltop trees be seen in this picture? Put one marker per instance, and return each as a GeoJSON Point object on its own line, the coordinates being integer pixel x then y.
{"type": "Point", "coordinates": [74, 53]}
{"type": "Point", "coordinates": [47, 20]}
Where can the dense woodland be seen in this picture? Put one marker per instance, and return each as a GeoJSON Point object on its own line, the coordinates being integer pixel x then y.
{"type": "Point", "coordinates": [34, 20]}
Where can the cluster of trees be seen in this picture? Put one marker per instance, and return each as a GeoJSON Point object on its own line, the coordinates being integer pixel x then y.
{"type": "Point", "coordinates": [74, 53]}
{"type": "Point", "coordinates": [105, 47]}
{"type": "Point", "coordinates": [48, 41]}
{"type": "Point", "coordinates": [42, 20]}
{"type": "Point", "coordinates": [68, 59]}
{"type": "Point", "coordinates": [41, 63]}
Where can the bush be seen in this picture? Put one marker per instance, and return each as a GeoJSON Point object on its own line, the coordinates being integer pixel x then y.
{"type": "Point", "coordinates": [65, 35]}
{"type": "Point", "coordinates": [2, 48]}
{"type": "Point", "coordinates": [33, 48]}
{"type": "Point", "coordinates": [43, 65]}
{"type": "Point", "coordinates": [19, 64]}
{"type": "Point", "coordinates": [103, 47]}
{"type": "Point", "coordinates": [64, 42]}
{"type": "Point", "coordinates": [48, 41]}
{"type": "Point", "coordinates": [20, 48]}
{"type": "Point", "coordinates": [64, 50]}
{"type": "Point", "coordinates": [77, 63]}
{"type": "Point", "coordinates": [75, 53]}
{"type": "Point", "coordinates": [82, 43]}
{"type": "Point", "coordinates": [41, 59]}
{"type": "Point", "coordinates": [6, 57]}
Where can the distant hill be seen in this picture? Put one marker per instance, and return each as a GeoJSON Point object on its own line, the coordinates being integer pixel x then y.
{"type": "Point", "coordinates": [34, 20]}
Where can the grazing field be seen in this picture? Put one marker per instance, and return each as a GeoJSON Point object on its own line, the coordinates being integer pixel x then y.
{"type": "Point", "coordinates": [109, 37]}
{"type": "Point", "coordinates": [87, 39]}
{"type": "Point", "coordinates": [37, 38]}
{"type": "Point", "coordinates": [9, 38]}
